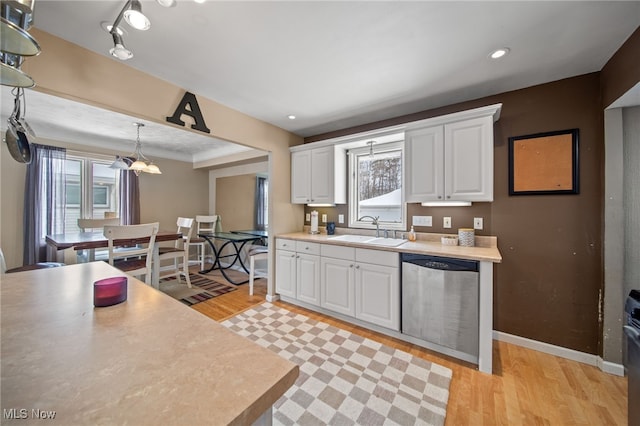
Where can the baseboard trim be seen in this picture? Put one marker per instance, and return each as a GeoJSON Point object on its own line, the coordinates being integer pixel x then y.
{"type": "Point", "coordinates": [611, 367]}
{"type": "Point", "coordinates": [585, 358]}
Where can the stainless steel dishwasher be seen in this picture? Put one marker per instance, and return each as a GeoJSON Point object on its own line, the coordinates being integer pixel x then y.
{"type": "Point", "coordinates": [632, 330]}
{"type": "Point", "coordinates": [440, 301]}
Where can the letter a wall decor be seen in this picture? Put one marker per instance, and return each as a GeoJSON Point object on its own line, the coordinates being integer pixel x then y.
{"type": "Point", "coordinates": [189, 106]}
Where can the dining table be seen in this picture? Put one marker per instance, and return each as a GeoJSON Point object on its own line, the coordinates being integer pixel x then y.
{"type": "Point", "coordinates": [235, 241]}
{"type": "Point", "coordinates": [262, 233]}
{"type": "Point", "coordinates": [92, 240]}
{"type": "Point", "coordinates": [149, 360]}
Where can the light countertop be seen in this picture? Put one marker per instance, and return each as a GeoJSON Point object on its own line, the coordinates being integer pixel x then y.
{"type": "Point", "coordinates": [150, 360]}
{"type": "Point", "coordinates": [485, 250]}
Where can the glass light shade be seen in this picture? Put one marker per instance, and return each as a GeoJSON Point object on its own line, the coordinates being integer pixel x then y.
{"type": "Point", "coordinates": [138, 165]}
{"type": "Point", "coordinates": [119, 164]}
{"type": "Point", "coordinates": [152, 169]}
{"type": "Point", "coordinates": [121, 52]}
{"type": "Point", "coordinates": [136, 18]}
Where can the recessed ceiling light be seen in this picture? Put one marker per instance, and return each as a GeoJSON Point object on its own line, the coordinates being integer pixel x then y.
{"type": "Point", "coordinates": [291, 117]}
{"type": "Point", "coordinates": [199, 1]}
{"type": "Point", "coordinates": [499, 53]}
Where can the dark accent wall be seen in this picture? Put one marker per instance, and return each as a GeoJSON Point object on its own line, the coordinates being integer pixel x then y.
{"type": "Point", "coordinates": [550, 282]}
{"type": "Point", "coordinates": [622, 71]}
{"type": "Point", "coordinates": [548, 285]}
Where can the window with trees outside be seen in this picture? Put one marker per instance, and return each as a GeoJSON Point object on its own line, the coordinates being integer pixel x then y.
{"type": "Point", "coordinates": [91, 188]}
{"type": "Point", "coordinates": [376, 186]}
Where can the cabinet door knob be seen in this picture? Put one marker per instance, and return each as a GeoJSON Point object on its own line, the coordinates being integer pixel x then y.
{"type": "Point", "coordinates": [448, 196]}
{"type": "Point", "coordinates": [293, 255]}
{"type": "Point", "coordinates": [439, 197]}
{"type": "Point", "coordinates": [357, 266]}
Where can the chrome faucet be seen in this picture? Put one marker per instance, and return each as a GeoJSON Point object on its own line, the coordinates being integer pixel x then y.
{"type": "Point", "coordinates": [375, 222]}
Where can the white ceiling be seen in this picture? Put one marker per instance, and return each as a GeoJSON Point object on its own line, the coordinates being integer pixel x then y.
{"type": "Point", "coordinates": [333, 64]}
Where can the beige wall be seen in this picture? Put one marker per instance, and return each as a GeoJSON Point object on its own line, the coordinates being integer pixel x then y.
{"type": "Point", "coordinates": [235, 201]}
{"type": "Point", "coordinates": [69, 71]}
{"type": "Point", "coordinates": [176, 192]}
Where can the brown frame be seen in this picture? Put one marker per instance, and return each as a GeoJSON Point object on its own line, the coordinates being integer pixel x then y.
{"type": "Point", "coordinates": [544, 163]}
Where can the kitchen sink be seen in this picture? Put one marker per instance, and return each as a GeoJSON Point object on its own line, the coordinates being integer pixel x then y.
{"type": "Point", "coordinates": [352, 238]}
{"type": "Point", "coordinates": [387, 242]}
{"type": "Point", "coordinates": [368, 239]}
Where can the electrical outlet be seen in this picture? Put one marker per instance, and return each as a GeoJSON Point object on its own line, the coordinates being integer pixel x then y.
{"type": "Point", "coordinates": [421, 220]}
{"type": "Point", "coordinates": [340, 218]}
{"type": "Point", "coordinates": [446, 222]}
{"type": "Point", "coordinates": [477, 223]}
{"type": "Point", "coordinates": [324, 218]}
{"type": "Point", "coordinates": [307, 217]}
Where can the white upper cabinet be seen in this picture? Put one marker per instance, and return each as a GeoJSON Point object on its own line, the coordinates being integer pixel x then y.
{"type": "Point", "coordinates": [451, 161]}
{"type": "Point", "coordinates": [318, 176]}
{"type": "Point", "coordinates": [423, 164]}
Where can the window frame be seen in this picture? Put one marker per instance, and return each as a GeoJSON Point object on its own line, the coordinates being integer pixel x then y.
{"type": "Point", "coordinates": [86, 183]}
{"type": "Point", "coordinates": [353, 186]}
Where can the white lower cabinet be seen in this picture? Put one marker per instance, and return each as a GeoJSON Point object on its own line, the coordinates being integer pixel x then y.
{"type": "Point", "coordinates": [337, 285]}
{"type": "Point", "coordinates": [298, 270]}
{"type": "Point", "coordinates": [361, 283]}
{"type": "Point", "coordinates": [378, 295]}
{"type": "Point", "coordinates": [308, 278]}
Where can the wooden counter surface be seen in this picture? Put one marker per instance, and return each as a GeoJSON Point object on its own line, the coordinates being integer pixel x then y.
{"type": "Point", "coordinates": [486, 249]}
{"type": "Point", "coordinates": [150, 360]}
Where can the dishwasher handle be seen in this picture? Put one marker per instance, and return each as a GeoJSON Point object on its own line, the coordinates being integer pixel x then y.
{"type": "Point", "coordinates": [440, 263]}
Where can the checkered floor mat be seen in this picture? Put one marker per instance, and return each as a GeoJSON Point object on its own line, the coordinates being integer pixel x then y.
{"type": "Point", "coordinates": [345, 379]}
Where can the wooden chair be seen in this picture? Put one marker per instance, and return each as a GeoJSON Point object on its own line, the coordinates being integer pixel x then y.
{"type": "Point", "coordinates": [135, 261]}
{"type": "Point", "coordinates": [41, 265]}
{"type": "Point", "coordinates": [256, 253]}
{"type": "Point", "coordinates": [87, 225]}
{"type": "Point", "coordinates": [179, 252]}
{"type": "Point", "coordinates": [203, 224]}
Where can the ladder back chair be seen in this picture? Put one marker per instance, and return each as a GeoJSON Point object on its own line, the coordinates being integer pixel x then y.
{"type": "Point", "coordinates": [203, 224]}
{"type": "Point", "coordinates": [136, 261]}
{"type": "Point", "coordinates": [87, 225]}
{"type": "Point", "coordinates": [179, 252]}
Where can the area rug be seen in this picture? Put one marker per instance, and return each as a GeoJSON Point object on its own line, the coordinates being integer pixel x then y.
{"type": "Point", "coordinates": [202, 289]}
{"type": "Point", "coordinates": [345, 379]}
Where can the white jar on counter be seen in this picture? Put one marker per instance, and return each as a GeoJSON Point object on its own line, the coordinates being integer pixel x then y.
{"type": "Point", "coordinates": [466, 237]}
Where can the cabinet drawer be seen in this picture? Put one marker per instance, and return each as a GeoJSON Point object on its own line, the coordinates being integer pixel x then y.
{"type": "Point", "coordinates": [338, 252]}
{"type": "Point", "coordinates": [283, 244]}
{"type": "Point", "coordinates": [307, 247]}
{"type": "Point", "coordinates": [378, 257]}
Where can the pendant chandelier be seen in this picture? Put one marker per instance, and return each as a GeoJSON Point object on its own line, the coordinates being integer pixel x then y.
{"type": "Point", "coordinates": [141, 163]}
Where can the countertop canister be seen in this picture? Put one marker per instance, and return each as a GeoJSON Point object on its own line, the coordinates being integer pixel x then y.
{"type": "Point", "coordinates": [466, 237]}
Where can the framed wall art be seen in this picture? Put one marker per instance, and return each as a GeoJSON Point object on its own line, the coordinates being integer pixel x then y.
{"type": "Point", "coordinates": [544, 163]}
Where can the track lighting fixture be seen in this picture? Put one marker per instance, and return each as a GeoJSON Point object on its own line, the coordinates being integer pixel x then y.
{"type": "Point", "coordinates": [132, 14]}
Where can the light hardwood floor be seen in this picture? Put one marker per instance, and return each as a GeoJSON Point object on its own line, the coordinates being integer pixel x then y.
{"type": "Point", "coordinates": [527, 387]}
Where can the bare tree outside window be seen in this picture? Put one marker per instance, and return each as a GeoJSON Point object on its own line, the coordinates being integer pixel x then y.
{"type": "Point", "coordinates": [379, 183]}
